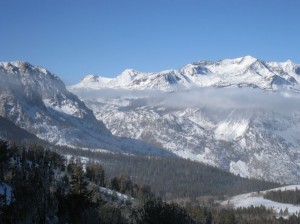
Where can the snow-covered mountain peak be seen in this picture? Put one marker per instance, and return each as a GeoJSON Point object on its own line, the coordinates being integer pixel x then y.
{"type": "Point", "coordinates": [23, 68]}
{"type": "Point", "coordinates": [127, 76]}
{"type": "Point", "coordinates": [90, 78]}
{"type": "Point", "coordinates": [21, 74]}
{"type": "Point", "coordinates": [168, 72]}
{"type": "Point", "coordinates": [289, 65]}
{"type": "Point", "coordinates": [130, 72]}
{"type": "Point", "coordinates": [248, 59]}
{"type": "Point", "coordinates": [290, 62]}
{"type": "Point", "coordinates": [92, 82]}
{"type": "Point", "coordinates": [194, 69]}
{"type": "Point", "coordinates": [35, 85]}
{"type": "Point", "coordinates": [246, 71]}
{"type": "Point", "coordinates": [284, 64]}
{"type": "Point", "coordinates": [233, 66]}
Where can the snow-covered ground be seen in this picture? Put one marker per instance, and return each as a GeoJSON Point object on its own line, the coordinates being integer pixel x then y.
{"type": "Point", "coordinates": [5, 189]}
{"type": "Point", "coordinates": [257, 199]}
{"type": "Point", "coordinates": [121, 197]}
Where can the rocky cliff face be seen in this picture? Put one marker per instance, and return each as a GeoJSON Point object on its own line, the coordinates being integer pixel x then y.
{"type": "Point", "coordinates": [38, 101]}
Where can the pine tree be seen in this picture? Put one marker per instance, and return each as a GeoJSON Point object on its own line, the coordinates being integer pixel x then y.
{"type": "Point", "coordinates": [230, 218]}
{"type": "Point", "coordinates": [95, 173]}
{"type": "Point", "coordinates": [286, 212]}
{"type": "Point", "coordinates": [77, 179]}
{"type": "Point", "coordinates": [4, 149]}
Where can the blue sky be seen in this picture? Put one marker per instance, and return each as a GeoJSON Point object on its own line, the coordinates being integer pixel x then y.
{"type": "Point", "coordinates": [74, 38]}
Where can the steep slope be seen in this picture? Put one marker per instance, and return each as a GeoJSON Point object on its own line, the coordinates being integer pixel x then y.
{"type": "Point", "coordinates": [38, 101]}
{"type": "Point", "coordinates": [255, 142]}
{"type": "Point", "coordinates": [244, 71]}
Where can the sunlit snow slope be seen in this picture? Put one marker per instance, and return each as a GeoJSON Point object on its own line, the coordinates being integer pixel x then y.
{"type": "Point", "coordinates": [256, 199]}
{"type": "Point", "coordinates": [240, 72]}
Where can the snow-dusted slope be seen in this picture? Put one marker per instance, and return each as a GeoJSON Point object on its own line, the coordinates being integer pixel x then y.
{"type": "Point", "coordinates": [252, 142]}
{"type": "Point", "coordinates": [131, 79]}
{"type": "Point", "coordinates": [244, 71]}
{"type": "Point", "coordinates": [248, 131]}
{"type": "Point", "coordinates": [7, 191]}
{"type": "Point", "coordinates": [257, 199]}
{"type": "Point", "coordinates": [38, 101]}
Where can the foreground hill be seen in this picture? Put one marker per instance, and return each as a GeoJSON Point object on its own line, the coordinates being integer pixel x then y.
{"type": "Point", "coordinates": [39, 184]}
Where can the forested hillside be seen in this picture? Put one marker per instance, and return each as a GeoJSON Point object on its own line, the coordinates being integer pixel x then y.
{"type": "Point", "coordinates": [40, 186]}
{"type": "Point", "coordinates": [288, 196]}
{"type": "Point", "coordinates": [174, 178]}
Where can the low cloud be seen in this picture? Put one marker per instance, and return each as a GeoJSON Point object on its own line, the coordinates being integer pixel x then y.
{"type": "Point", "coordinates": [228, 98]}
{"type": "Point", "coordinates": [212, 98]}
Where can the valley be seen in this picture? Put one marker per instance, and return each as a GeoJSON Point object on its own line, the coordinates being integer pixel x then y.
{"type": "Point", "coordinates": [195, 136]}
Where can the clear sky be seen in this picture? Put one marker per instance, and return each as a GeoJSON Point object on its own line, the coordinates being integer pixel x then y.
{"type": "Point", "coordinates": [72, 38]}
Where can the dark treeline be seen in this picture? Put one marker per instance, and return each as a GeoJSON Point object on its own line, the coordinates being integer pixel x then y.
{"type": "Point", "coordinates": [287, 196]}
{"type": "Point", "coordinates": [173, 178]}
{"type": "Point", "coordinates": [251, 215]}
{"type": "Point", "coordinates": [40, 186]}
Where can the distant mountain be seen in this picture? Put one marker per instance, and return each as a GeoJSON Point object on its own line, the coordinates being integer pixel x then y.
{"type": "Point", "coordinates": [244, 71]}
{"type": "Point", "coordinates": [253, 133]}
{"type": "Point", "coordinates": [36, 100]}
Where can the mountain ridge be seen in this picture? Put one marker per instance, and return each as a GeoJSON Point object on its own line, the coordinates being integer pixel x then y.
{"type": "Point", "coordinates": [244, 71]}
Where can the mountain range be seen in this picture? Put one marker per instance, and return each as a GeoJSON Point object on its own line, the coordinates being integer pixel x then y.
{"type": "Point", "coordinates": [240, 115]}
{"type": "Point", "coordinates": [197, 112]}
{"type": "Point", "coordinates": [240, 72]}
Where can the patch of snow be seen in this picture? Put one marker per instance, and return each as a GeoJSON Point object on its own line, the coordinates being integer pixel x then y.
{"type": "Point", "coordinates": [121, 197]}
{"type": "Point", "coordinates": [256, 199]}
{"type": "Point", "coordinates": [231, 130]}
{"type": "Point", "coordinates": [66, 108]}
{"type": "Point", "coordinates": [5, 189]}
{"type": "Point", "coordinates": [239, 168]}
